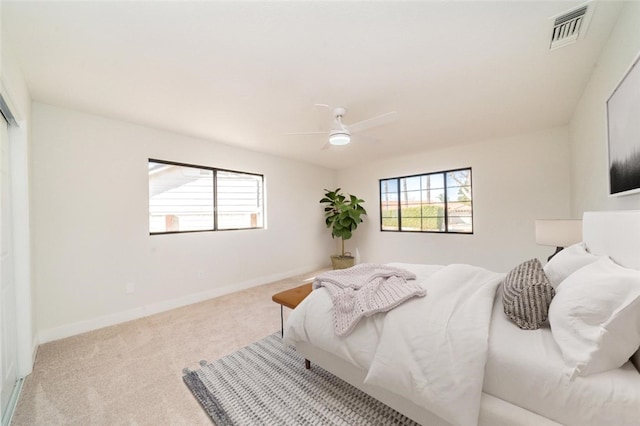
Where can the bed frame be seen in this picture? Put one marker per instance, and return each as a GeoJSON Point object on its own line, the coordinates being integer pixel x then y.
{"type": "Point", "coordinates": [612, 233]}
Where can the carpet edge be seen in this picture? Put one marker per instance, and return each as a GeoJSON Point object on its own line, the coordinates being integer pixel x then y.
{"type": "Point", "coordinates": [206, 399]}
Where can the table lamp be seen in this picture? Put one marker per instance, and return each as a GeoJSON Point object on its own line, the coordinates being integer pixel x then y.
{"type": "Point", "coordinates": [558, 233]}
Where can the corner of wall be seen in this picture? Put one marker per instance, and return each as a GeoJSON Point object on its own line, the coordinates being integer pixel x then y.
{"type": "Point", "coordinates": [588, 127]}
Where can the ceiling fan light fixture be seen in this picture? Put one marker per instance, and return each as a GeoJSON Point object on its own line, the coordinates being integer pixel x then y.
{"type": "Point", "coordinates": [339, 138]}
{"type": "Point", "coordinates": [340, 133]}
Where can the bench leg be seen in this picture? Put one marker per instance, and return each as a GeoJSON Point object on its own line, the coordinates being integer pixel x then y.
{"type": "Point", "coordinates": [307, 364]}
{"type": "Point", "coordinates": [281, 322]}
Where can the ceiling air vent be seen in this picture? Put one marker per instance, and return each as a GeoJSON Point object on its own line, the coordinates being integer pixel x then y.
{"type": "Point", "coordinates": [570, 26]}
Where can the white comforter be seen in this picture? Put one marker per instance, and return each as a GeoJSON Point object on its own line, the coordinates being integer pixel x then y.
{"type": "Point", "coordinates": [430, 350]}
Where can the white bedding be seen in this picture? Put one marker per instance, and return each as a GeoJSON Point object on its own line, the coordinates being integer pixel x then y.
{"type": "Point", "coordinates": [431, 351]}
{"type": "Point", "coordinates": [525, 367]}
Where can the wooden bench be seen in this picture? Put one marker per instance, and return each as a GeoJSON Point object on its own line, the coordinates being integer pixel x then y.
{"type": "Point", "coordinates": [291, 299]}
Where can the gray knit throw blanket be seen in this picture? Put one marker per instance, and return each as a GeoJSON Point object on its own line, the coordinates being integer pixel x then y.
{"type": "Point", "coordinates": [364, 290]}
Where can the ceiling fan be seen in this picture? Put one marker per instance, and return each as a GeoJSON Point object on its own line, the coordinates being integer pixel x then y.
{"type": "Point", "coordinates": [340, 133]}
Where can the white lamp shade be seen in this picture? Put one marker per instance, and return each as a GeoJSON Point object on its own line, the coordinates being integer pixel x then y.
{"type": "Point", "coordinates": [558, 232]}
{"type": "Point", "coordinates": [339, 138]}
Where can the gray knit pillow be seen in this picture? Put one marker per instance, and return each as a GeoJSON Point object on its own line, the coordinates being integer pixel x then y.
{"type": "Point", "coordinates": [527, 294]}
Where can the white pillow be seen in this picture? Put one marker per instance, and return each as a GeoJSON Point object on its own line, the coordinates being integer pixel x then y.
{"type": "Point", "coordinates": [595, 317]}
{"type": "Point", "coordinates": [567, 261]}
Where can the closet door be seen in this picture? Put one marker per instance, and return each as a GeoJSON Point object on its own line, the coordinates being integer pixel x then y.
{"type": "Point", "coordinates": [8, 339]}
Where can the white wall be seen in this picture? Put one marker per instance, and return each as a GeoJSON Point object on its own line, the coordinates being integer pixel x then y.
{"type": "Point", "coordinates": [89, 208]}
{"type": "Point", "coordinates": [515, 181]}
{"type": "Point", "coordinates": [90, 217]}
{"type": "Point", "coordinates": [588, 127]}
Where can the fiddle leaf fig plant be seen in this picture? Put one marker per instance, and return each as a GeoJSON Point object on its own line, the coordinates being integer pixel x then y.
{"type": "Point", "coordinates": [342, 214]}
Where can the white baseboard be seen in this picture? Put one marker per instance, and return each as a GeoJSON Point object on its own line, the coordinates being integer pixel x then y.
{"type": "Point", "coordinates": [69, 330]}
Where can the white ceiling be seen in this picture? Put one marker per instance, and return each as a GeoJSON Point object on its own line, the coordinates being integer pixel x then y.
{"type": "Point", "coordinates": [245, 73]}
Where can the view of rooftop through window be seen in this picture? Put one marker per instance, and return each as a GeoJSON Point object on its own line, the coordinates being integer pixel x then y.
{"type": "Point", "coordinates": [431, 202]}
{"type": "Point", "coordinates": [187, 198]}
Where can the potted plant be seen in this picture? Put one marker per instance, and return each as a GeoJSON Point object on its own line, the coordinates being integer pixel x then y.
{"type": "Point", "coordinates": [342, 215]}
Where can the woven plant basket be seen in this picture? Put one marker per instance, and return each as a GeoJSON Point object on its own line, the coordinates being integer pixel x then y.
{"type": "Point", "coordinates": [342, 262]}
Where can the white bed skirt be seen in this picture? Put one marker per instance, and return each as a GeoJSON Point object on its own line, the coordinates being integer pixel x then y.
{"type": "Point", "coordinates": [493, 411]}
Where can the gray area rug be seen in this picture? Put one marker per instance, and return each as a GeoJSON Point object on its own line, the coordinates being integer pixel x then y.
{"type": "Point", "coordinates": [267, 384]}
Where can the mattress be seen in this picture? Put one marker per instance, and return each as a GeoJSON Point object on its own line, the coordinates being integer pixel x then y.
{"type": "Point", "coordinates": [525, 368]}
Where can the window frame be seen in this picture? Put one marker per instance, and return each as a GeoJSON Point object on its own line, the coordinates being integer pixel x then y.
{"type": "Point", "coordinates": [214, 171]}
{"type": "Point", "coordinates": [445, 202]}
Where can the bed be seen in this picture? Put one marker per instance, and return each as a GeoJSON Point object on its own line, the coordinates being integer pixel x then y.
{"type": "Point", "coordinates": [524, 377]}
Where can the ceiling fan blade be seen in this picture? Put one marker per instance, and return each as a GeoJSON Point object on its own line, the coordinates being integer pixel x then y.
{"type": "Point", "coordinates": [326, 146]}
{"type": "Point", "coordinates": [364, 139]}
{"type": "Point", "coordinates": [376, 121]}
{"type": "Point", "coordinates": [305, 133]}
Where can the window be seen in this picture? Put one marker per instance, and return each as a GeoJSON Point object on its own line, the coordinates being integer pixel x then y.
{"type": "Point", "coordinates": [432, 202]}
{"type": "Point", "coordinates": [188, 198]}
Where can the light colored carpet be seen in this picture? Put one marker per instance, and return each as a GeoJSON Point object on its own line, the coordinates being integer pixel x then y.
{"type": "Point", "coordinates": [131, 373]}
{"type": "Point", "coordinates": [266, 383]}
